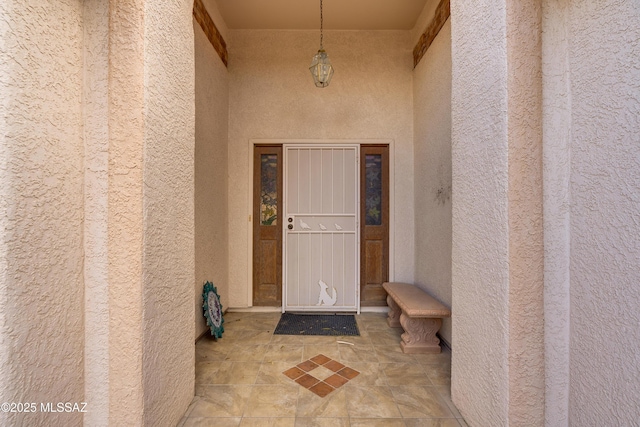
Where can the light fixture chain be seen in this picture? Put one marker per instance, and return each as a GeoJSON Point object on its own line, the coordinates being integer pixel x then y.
{"type": "Point", "coordinates": [321, 68]}
{"type": "Point", "coordinates": [321, 24]}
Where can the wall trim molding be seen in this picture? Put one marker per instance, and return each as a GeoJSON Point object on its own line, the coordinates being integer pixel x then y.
{"type": "Point", "coordinates": [210, 30]}
{"type": "Point", "coordinates": [443, 11]}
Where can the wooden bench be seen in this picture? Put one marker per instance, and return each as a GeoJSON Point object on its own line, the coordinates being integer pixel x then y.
{"type": "Point", "coordinates": [418, 313]}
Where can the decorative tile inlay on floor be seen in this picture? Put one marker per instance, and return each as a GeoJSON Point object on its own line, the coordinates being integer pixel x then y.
{"type": "Point", "coordinates": [338, 374]}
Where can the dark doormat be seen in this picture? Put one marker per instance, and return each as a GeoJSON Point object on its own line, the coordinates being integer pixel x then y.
{"type": "Point", "coordinates": [317, 324]}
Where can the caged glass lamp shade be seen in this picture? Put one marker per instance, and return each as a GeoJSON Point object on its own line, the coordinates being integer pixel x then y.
{"type": "Point", "coordinates": [321, 69]}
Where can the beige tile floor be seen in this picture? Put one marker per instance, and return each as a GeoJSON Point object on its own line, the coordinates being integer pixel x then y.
{"type": "Point", "coordinates": [240, 380]}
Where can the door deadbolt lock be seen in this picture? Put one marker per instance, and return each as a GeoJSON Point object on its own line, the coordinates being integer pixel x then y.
{"type": "Point", "coordinates": [290, 219]}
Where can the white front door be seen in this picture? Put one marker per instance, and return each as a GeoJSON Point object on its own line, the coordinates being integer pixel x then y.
{"type": "Point", "coordinates": [321, 233]}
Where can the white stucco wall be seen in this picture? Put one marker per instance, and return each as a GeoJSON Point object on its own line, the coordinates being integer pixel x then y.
{"type": "Point", "coordinates": [591, 101]}
{"type": "Point", "coordinates": [557, 202]}
{"type": "Point", "coordinates": [151, 214]}
{"type": "Point", "coordinates": [211, 181]}
{"type": "Point", "coordinates": [97, 181]}
{"type": "Point", "coordinates": [480, 245]}
{"type": "Point", "coordinates": [168, 264]}
{"type": "Point", "coordinates": [525, 215]}
{"type": "Point", "coordinates": [497, 253]}
{"type": "Point", "coordinates": [41, 181]}
{"type": "Point", "coordinates": [604, 61]}
{"type": "Point", "coordinates": [432, 166]}
{"type": "Point", "coordinates": [125, 218]}
{"type": "Point", "coordinates": [272, 96]}
{"type": "Point", "coordinates": [96, 165]}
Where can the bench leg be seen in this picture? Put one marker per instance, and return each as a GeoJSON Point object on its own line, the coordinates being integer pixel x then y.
{"type": "Point", "coordinates": [393, 317]}
{"type": "Point", "coordinates": [420, 335]}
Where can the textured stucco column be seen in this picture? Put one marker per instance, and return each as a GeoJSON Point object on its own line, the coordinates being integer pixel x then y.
{"type": "Point", "coordinates": [557, 201]}
{"type": "Point", "coordinates": [592, 149]}
{"type": "Point", "coordinates": [150, 211]}
{"type": "Point", "coordinates": [96, 261]}
{"type": "Point", "coordinates": [168, 211]}
{"type": "Point", "coordinates": [41, 209]}
{"type": "Point", "coordinates": [526, 246]}
{"type": "Point", "coordinates": [497, 252]}
{"type": "Point", "coordinates": [125, 215]}
{"type": "Point", "coordinates": [591, 179]}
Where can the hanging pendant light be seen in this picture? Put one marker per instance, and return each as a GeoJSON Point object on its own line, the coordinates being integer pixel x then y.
{"type": "Point", "coordinates": [321, 68]}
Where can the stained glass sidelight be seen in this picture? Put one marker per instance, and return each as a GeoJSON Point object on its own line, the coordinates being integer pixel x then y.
{"type": "Point", "coordinates": [373, 189]}
{"type": "Point", "coordinates": [269, 189]}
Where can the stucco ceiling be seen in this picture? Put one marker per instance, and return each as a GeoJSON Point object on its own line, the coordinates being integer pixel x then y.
{"type": "Point", "coordinates": [305, 14]}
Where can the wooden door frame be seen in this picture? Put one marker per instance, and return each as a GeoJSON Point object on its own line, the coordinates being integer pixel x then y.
{"type": "Point", "coordinates": [250, 179]}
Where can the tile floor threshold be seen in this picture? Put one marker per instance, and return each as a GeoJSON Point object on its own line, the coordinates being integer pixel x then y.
{"type": "Point", "coordinates": [251, 377]}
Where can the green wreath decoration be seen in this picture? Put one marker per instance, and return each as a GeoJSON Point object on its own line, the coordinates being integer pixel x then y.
{"type": "Point", "coordinates": [213, 309]}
